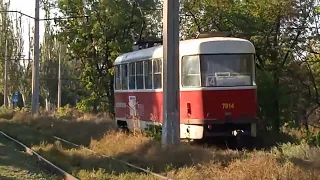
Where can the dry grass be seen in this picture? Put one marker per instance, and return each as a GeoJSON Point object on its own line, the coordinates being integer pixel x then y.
{"type": "Point", "coordinates": [146, 152]}
{"type": "Point", "coordinates": [258, 165]}
{"type": "Point", "coordinates": [288, 161]}
{"type": "Point", "coordinates": [79, 130]}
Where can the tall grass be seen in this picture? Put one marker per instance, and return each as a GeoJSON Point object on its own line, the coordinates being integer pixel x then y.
{"type": "Point", "coordinates": [287, 161]}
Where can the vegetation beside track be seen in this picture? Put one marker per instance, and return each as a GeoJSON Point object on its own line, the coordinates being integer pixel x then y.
{"type": "Point", "coordinates": [14, 164]}
{"type": "Point", "coordinates": [290, 160]}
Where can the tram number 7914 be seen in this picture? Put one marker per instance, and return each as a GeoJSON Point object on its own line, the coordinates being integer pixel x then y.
{"type": "Point", "coordinates": [227, 105]}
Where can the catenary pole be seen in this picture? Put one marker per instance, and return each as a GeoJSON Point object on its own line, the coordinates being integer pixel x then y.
{"type": "Point", "coordinates": [171, 89]}
{"type": "Point", "coordinates": [59, 79]}
{"type": "Point", "coordinates": [35, 72]}
{"type": "Point", "coordinates": [6, 103]}
{"type": "Point", "coordinates": [5, 91]}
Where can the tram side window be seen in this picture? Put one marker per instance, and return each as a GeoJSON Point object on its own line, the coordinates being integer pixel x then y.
{"type": "Point", "coordinates": [132, 76]}
{"type": "Point", "coordinates": [124, 76]}
{"type": "Point", "coordinates": [157, 73]}
{"type": "Point", "coordinates": [191, 71]}
{"type": "Point", "coordinates": [148, 74]}
{"type": "Point", "coordinates": [117, 77]}
{"type": "Point", "coordinates": [139, 74]}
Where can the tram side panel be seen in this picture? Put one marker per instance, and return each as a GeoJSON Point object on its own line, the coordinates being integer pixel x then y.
{"type": "Point", "coordinates": [138, 109]}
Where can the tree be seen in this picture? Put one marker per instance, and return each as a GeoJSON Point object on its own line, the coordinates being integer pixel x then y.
{"type": "Point", "coordinates": [12, 33]}
{"type": "Point", "coordinates": [275, 28]}
{"type": "Point", "coordinates": [51, 50]}
{"type": "Point", "coordinates": [97, 40]}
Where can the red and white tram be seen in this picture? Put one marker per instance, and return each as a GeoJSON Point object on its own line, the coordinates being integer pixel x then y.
{"type": "Point", "coordinates": [217, 87]}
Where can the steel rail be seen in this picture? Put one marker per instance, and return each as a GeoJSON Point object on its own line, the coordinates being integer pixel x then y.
{"type": "Point", "coordinates": [159, 176]}
{"type": "Point", "coordinates": [66, 175]}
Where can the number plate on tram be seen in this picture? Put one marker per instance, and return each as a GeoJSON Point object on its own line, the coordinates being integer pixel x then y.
{"type": "Point", "coordinates": [227, 105]}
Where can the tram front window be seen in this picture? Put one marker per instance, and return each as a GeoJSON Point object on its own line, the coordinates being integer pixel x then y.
{"type": "Point", "coordinates": [227, 70]}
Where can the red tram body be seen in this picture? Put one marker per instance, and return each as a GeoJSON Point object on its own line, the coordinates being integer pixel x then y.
{"type": "Point", "coordinates": [217, 87]}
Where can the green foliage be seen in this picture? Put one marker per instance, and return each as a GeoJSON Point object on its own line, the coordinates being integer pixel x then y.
{"type": "Point", "coordinates": [96, 42]}
{"type": "Point", "coordinates": [277, 49]}
{"type": "Point", "coordinates": [154, 131]}
{"type": "Point", "coordinates": [287, 88]}
{"type": "Point", "coordinates": [86, 105]}
{"type": "Point", "coordinates": [313, 138]}
{"type": "Point", "coordinates": [6, 113]}
{"type": "Point", "coordinates": [11, 32]}
{"type": "Point", "coordinates": [25, 110]}
{"type": "Point", "coordinates": [301, 151]}
{"type": "Point", "coordinates": [65, 111]}
{"type": "Point", "coordinates": [317, 9]}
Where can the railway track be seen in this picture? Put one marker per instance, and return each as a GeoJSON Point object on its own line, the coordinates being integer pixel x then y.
{"type": "Point", "coordinates": [159, 176]}
{"type": "Point", "coordinates": [45, 162]}
{"type": "Point", "coordinates": [57, 170]}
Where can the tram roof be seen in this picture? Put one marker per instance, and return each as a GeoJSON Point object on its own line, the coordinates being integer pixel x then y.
{"type": "Point", "coordinates": [213, 45]}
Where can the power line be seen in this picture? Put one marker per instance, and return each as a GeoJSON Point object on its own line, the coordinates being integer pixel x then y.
{"type": "Point", "coordinates": [19, 12]}
{"type": "Point", "coordinates": [64, 18]}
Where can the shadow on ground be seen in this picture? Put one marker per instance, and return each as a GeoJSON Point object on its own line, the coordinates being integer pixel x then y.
{"type": "Point", "coordinates": [16, 165]}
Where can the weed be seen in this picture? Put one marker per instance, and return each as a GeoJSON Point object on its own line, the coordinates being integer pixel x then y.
{"type": "Point", "coordinates": [6, 113]}
{"type": "Point", "coordinates": [154, 131]}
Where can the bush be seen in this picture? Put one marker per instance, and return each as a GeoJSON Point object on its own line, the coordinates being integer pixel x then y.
{"type": "Point", "coordinates": [154, 131]}
{"type": "Point", "coordinates": [313, 138]}
{"type": "Point", "coordinates": [86, 105]}
{"type": "Point", "coordinates": [6, 113]}
{"type": "Point", "coordinates": [302, 151]}
{"type": "Point", "coordinates": [65, 111]}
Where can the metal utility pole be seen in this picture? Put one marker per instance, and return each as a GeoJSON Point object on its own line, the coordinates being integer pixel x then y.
{"type": "Point", "coordinates": [59, 79]}
{"type": "Point", "coordinates": [5, 94]}
{"type": "Point", "coordinates": [171, 89]}
{"type": "Point", "coordinates": [35, 72]}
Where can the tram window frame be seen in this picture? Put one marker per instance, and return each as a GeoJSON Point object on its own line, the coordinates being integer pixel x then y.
{"type": "Point", "coordinates": [196, 76]}
{"type": "Point", "coordinates": [139, 75]}
{"type": "Point", "coordinates": [132, 75]}
{"type": "Point", "coordinates": [117, 72]}
{"type": "Point", "coordinates": [236, 65]}
{"type": "Point", "coordinates": [124, 76]}
{"type": "Point", "coordinates": [148, 74]}
{"type": "Point", "coordinates": [157, 71]}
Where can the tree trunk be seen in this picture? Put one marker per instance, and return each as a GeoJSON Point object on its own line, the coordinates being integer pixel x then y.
{"type": "Point", "coordinates": [95, 108]}
{"type": "Point", "coordinates": [111, 98]}
{"type": "Point", "coordinates": [276, 106]}
{"type": "Point", "coordinates": [10, 104]}
{"type": "Point", "coordinates": [47, 104]}
{"type": "Point", "coordinates": [23, 99]}
{"type": "Point", "coordinates": [306, 124]}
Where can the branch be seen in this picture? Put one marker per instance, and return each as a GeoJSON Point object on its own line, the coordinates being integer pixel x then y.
{"type": "Point", "coordinates": [261, 64]}
{"type": "Point", "coordinates": [290, 48]}
{"type": "Point", "coordinates": [313, 81]}
{"type": "Point", "coordinates": [277, 30]}
{"type": "Point", "coordinates": [194, 18]}
{"type": "Point", "coordinates": [312, 110]}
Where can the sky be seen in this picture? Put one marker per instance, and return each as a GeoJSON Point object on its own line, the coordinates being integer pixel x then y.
{"type": "Point", "coordinates": [27, 7]}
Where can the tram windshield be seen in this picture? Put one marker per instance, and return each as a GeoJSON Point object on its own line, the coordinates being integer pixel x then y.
{"type": "Point", "coordinates": [227, 70]}
{"type": "Point", "coordinates": [218, 70]}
